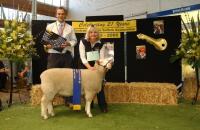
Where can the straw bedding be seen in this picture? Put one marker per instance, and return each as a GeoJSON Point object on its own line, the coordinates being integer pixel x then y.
{"type": "Point", "coordinates": [141, 92]}
{"type": "Point", "coordinates": [190, 83]}
{"type": "Point", "coordinates": [36, 95]}
{"type": "Point", "coordinates": [145, 93]}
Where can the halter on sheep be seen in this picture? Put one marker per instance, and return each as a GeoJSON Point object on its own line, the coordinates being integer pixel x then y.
{"type": "Point", "coordinates": [60, 81]}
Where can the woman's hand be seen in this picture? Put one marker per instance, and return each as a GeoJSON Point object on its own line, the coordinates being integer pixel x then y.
{"type": "Point", "coordinates": [87, 65]}
{"type": "Point", "coordinates": [91, 68]}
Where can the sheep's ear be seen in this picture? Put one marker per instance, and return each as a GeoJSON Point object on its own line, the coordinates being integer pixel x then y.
{"type": "Point", "coordinates": [109, 66]}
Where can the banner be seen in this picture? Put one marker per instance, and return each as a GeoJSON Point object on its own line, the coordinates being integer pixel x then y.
{"type": "Point", "coordinates": [106, 26]}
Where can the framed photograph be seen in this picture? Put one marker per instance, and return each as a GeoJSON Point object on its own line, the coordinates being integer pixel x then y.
{"type": "Point", "coordinates": [109, 50]}
{"type": "Point", "coordinates": [141, 52]}
{"type": "Point", "coordinates": [158, 27]}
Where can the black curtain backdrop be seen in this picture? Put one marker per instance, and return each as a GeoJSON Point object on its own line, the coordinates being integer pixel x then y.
{"type": "Point", "coordinates": [156, 67]}
{"type": "Point", "coordinates": [39, 63]}
{"type": "Point", "coordinates": [117, 73]}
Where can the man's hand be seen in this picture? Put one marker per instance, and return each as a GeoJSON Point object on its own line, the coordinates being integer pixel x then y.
{"type": "Point", "coordinates": [48, 46]}
{"type": "Point", "coordinates": [65, 44]}
{"type": "Point", "coordinates": [21, 74]}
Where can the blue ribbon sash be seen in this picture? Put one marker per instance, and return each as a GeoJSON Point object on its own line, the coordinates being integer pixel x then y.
{"type": "Point", "coordinates": [76, 99]}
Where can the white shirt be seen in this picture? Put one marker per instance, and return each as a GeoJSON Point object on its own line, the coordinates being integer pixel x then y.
{"type": "Point", "coordinates": [83, 53]}
{"type": "Point", "coordinates": [104, 52]}
{"type": "Point", "coordinates": [68, 33]}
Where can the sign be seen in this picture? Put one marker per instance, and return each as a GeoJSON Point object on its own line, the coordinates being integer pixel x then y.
{"type": "Point", "coordinates": [106, 26]}
{"type": "Point", "coordinates": [174, 11]}
{"type": "Point", "coordinates": [92, 55]}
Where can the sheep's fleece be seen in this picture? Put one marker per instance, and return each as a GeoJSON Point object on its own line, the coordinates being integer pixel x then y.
{"type": "Point", "coordinates": [60, 81]}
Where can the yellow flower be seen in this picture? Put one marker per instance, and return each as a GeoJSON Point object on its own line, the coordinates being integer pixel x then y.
{"type": "Point", "coordinates": [6, 24]}
{"type": "Point", "coordinates": [15, 41]}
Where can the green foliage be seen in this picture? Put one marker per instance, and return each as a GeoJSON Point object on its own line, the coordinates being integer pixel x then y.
{"type": "Point", "coordinates": [189, 48]}
{"type": "Point", "coordinates": [16, 42]}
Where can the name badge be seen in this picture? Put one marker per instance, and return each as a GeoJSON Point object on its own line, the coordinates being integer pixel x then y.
{"type": "Point", "coordinates": [92, 55]}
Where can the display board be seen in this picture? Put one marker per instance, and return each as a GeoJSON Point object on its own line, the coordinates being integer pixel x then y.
{"type": "Point", "coordinates": [149, 50]}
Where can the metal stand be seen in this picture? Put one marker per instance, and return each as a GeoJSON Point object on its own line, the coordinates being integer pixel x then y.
{"type": "Point", "coordinates": [11, 84]}
{"type": "Point", "coordinates": [198, 86]}
{"type": "Point", "coordinates": [125, 56]}
{"type": "Point", "coordinates": [1, 107]}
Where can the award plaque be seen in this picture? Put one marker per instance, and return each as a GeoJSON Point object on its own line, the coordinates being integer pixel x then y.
{"type": "Point", "coordinates": [54, 39]}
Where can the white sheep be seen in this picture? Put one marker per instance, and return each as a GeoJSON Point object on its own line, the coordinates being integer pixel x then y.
{"type": "Point", "coordinates": [60, 81]}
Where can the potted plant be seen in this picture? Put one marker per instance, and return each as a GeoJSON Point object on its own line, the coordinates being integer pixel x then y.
{"type": "Point", "coordinates": [189, 49]}
{"type": "Point", "coordinates": [16, 43]}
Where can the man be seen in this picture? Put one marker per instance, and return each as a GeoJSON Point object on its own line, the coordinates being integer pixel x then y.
{"type": "Point", "coordinates": [23, 73]}
{"type": "Point", "coordinates": [63, 58]}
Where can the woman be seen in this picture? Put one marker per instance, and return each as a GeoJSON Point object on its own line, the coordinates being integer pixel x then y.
{"type": "Point", "coordinates": [90, 49]}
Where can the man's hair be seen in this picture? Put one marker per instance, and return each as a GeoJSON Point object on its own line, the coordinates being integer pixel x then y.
{"type": "Point", "coordinates": [61, 8]}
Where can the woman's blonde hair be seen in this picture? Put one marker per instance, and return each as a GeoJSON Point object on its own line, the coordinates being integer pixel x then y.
{"type": "Point", "coordinates": [89, 29]}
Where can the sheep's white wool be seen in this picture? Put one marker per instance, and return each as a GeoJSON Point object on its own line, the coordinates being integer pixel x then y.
{"type": "Point", "coordinates": [60, 81]}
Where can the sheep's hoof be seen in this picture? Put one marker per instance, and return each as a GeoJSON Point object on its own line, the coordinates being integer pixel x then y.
{"type": "Point", "coordinates": [89, 115]}
{"type": "Point", "coordinates": [45, 117]}
{"type": "Point", "coordinates": [52, 114]}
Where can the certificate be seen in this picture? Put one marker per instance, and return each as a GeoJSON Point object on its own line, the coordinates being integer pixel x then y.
{"type": "Point", "coordinates": [92, 55]}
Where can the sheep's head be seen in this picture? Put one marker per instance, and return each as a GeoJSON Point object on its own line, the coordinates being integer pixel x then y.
{"type": "Point", "coordinates": [106, 63]}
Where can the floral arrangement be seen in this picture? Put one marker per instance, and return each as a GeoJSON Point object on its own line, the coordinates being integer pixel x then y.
{"type": "Point", "coordinates": [189, 48]}
{"type": "Point", "coordinates": [16, 42]}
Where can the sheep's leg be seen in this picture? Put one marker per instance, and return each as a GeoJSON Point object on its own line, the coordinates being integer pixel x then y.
{"type": "Point", "coordinates": [50, 109]}
{"type": "Point", "coordinates": [44, 103]}
{"type": "Point", "coordinates": [88, 97]}
{"type": "Point", "coordinates": [88, 108]}
{"type": "Point", "coordinates": [50, 105]}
